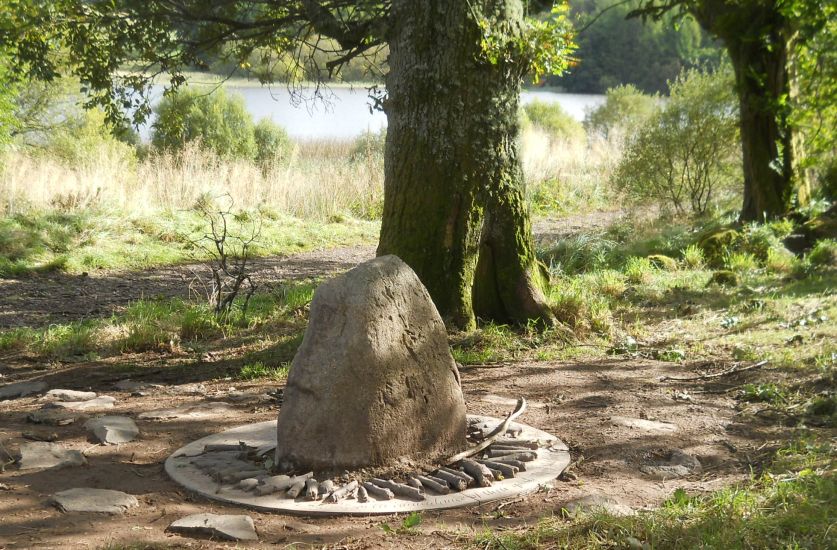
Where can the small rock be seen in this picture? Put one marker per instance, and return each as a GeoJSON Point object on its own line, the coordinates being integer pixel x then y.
{"type": "Point", "coordinates": [129, 385]}
{"type": "Point", "coordinates": [642, 424]}
{"type": "Point", "coordinates": [4, 487]}
{"type": "Point", "coordinates": [48, 455]}
{"type": "Point", "coordinates": [597, 503]}
{"type": "Point", "coordinates": [102, 402]}
{"type": "Point", "coordinates": [93, 500]}
{"type": "Point", "coordinates": [201, 410]}
{"type": "Point", "coordinates": [227, 527]}
{"type": "Point", "coordinates": [50, 417]}
{"type": "Point", "coordinates": [21, 389]}
{"type": "Point", "coordinates": [40, 436]}
{"type": "Point", "coordinates": [112, 430]}
{"type": "Point", "coordinates": [677, 464]}
{"type": "Point", "coordinates": [68, 395]}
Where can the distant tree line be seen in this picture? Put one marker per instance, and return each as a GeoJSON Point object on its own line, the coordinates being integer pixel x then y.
{"type": "Point", "coordinates": [614, 50]}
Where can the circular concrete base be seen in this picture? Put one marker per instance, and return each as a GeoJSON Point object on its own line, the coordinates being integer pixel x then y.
{"type": "Point", "coordinates": [553, 457]}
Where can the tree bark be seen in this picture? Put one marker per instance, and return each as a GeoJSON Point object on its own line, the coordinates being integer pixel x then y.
{"type": "Point", "coordinates": [453, 182]}
{"type": "Point", "coordinates": [758, 39]}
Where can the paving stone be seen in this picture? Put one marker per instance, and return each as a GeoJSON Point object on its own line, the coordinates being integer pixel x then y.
{"type": "Point", "coordinates": [644, 425]}
{"type": "Point", "coordinates": [199, 410]}
{"type": "Point", "coordinates": [68, 395]}
{"type": "Point", "coordinates": [227, 527]}
{"type": "Point", "coordinates": [677, 464]}
{"type": "Point", "coordinates": [101, 402]}
{"type": "Point", "coordinates": [112, 430]}
{"type": "Point", "coordinates": [48, 455]}
{"type": "Point", "coordinates": [21, 389]}
{"type": "Point", "coordinates": [93, 500]}
{"type": "Point", "coordinates": [597, 503]}
{"type": "Point", "coordinates": [51, 417]}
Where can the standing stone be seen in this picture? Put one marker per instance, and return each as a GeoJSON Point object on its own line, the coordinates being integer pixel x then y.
{"type": "Point", "coordinates": [112, 430]}
{"type": "Point", "coordinates": [374, 379]}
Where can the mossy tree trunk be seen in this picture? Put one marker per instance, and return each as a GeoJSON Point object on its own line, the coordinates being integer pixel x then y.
{"type": "Point", "coordinates": [758, 38]}
{"type": "Point", "coordinates": [454, 202]}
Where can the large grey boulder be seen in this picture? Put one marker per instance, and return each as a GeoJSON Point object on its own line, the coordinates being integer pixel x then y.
{"type": "Point", "coordinates": [112, 430]}
{"type": "Point", "coordinates": [374, 380]}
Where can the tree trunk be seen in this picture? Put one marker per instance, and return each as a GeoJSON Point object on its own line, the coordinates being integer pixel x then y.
{"type": "Point", "coordinates": [758, 41]}
{"type": "Point", "coordinates": [453, 182]}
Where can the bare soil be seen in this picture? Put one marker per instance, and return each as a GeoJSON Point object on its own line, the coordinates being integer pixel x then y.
{"type": "Point", "coordinates": [574, 400]}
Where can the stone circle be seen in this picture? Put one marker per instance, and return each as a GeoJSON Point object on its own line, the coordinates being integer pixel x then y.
{"type": "Point", "coordinates": [185, 467]}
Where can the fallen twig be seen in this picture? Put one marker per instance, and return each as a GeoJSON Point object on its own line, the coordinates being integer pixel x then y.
{"type": "Point", "coordinates": [497, 432]}
{"type": "Point", "coordinates": [733, 370]}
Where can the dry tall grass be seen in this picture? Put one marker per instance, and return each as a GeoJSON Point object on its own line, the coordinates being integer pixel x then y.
{"type": "Point", "coordinates": [323, 179]}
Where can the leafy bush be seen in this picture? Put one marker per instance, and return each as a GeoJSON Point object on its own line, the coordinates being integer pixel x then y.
{"type": "Point", "coordinates": [369, 146]}
{"type": "Point", "coordinates": [693, 257]}
{"type": "Point", "coordinates": [639, 270]}
{"type": "Point", "coordinates": [824, 253]}
{"type": "Point", "coordinates": [272, 142]}
{"type": "Point", "coordinates": [219, 121]}
{"type": "Point", "coordinates": [86, 139]}
{"type": "Point", "coordinates": [687, 156]}
{"type": "Point", "coordinates": [553, 119]}
{"type": "Point", "coordinates": [625, 109]}
{"type": "Point", "coordinates": [742, 261]}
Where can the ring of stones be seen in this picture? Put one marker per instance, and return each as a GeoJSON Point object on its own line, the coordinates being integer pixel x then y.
{"type": "Point", "coordinates": [552, 458]}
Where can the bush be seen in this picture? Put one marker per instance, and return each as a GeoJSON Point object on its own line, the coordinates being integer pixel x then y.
{"type": "Point", "coordinates": [693, 257]}
{"type": "Point", "coordinates": [87, 138]}
{"type": "Point", "coordinates": [553, 119]}
{"type": "Point", "coordinates": [272, 142]}
{"type": "Point", "coordinates": [639, 270]}
{"type": "Point", "coordinates": [219, 121]}
{"type": "Point", "coordinates": [625, 109]}
{"type": "Point", "coordinates": [687, 156]}
{"type": "Point", "coordinates": [824, 253]}
{"type": "Point", "coordinates": [369, 146]}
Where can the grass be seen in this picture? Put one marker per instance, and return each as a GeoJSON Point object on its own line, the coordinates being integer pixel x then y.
{"type": "Point", "coordinates": [792, 505]}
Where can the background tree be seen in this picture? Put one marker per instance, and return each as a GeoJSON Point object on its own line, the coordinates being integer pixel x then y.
{"type": "Point", "coordinates": [761, 37]}
{"type": "Point", "coordinates": [454, 206]}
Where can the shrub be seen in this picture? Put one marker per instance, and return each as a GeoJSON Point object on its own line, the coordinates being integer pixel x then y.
{"type": "Point", "coordinates": [687, 156]}
{"type": "Point", "coordinates": [717, 245]}
{"type": "Point", "coordinates": [780, 260]}
{"type": "Point", "coordinates": [369, 146]}
{"type": "Point", "coordinates": [824, 253]}
{"type": "Point", "coordinates": [663, 262]}
{"type": "Point", "coordinates": [272, 142]}
{"type": "Point", "coordinates": [742, 261]}
{"type": "Point", "coordinates": [87, 139]}
{"type": "Point", "coordinates": [553, 119]}
{"type": "Point", "coordinates": [580, 253]}
{"type": "Point", "coordinates": [625, 109]}
{"type": "Point", "coordinates": [219, 121]}
{"type": "Point", "coordinates": [693, 257]}
{"type": "Point", "coordinates": [638, 270]}
{"type": "Point", "coordinates": [723, 277]}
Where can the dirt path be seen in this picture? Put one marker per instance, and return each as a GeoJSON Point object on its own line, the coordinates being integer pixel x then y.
{"type": "Point", "coordinates": [58, 297]}
{"type": "Point", "coordinates": [39, 300]}
{"type": "Point", "coordinates": [575, 400]}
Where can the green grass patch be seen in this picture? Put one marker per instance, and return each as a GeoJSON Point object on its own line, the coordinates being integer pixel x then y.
{"type": "Point", "coordinates": [792, 505]}
{"type": "Point", "coordinates": [258, 370]}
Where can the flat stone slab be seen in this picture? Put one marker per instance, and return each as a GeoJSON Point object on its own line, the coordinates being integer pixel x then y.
{"type": "Point", "coordinates": [185, 467]}
{"type": "Point", "coordinates": [112, 430]}
{"type": "Point", "coordinates": [226, 527]}
{"type": "Point", "coordinates": [677, 464]}
{"type": "Point", "coordinates": [200, 410]}
{"type": "Point", "coordinates": [40, 454]}
{"type": "Point", "coordinates": [51, 417]}
{"type": "Point", "coordinates": [642, 424]}
{"type": "Point", "coordinates": [101, 402]}
{"type": "Point", "coordinates": [93, 500]}
{"type": "Point", "coordinates": [21, 389]}
{"type": "Point", "coordinates": [598, 503]}
{"type": "Point", "coordinates": [68, 395]}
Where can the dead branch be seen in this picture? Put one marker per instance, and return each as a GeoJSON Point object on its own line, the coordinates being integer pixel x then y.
{"type": "Point", "coordinates": [733, 370]}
